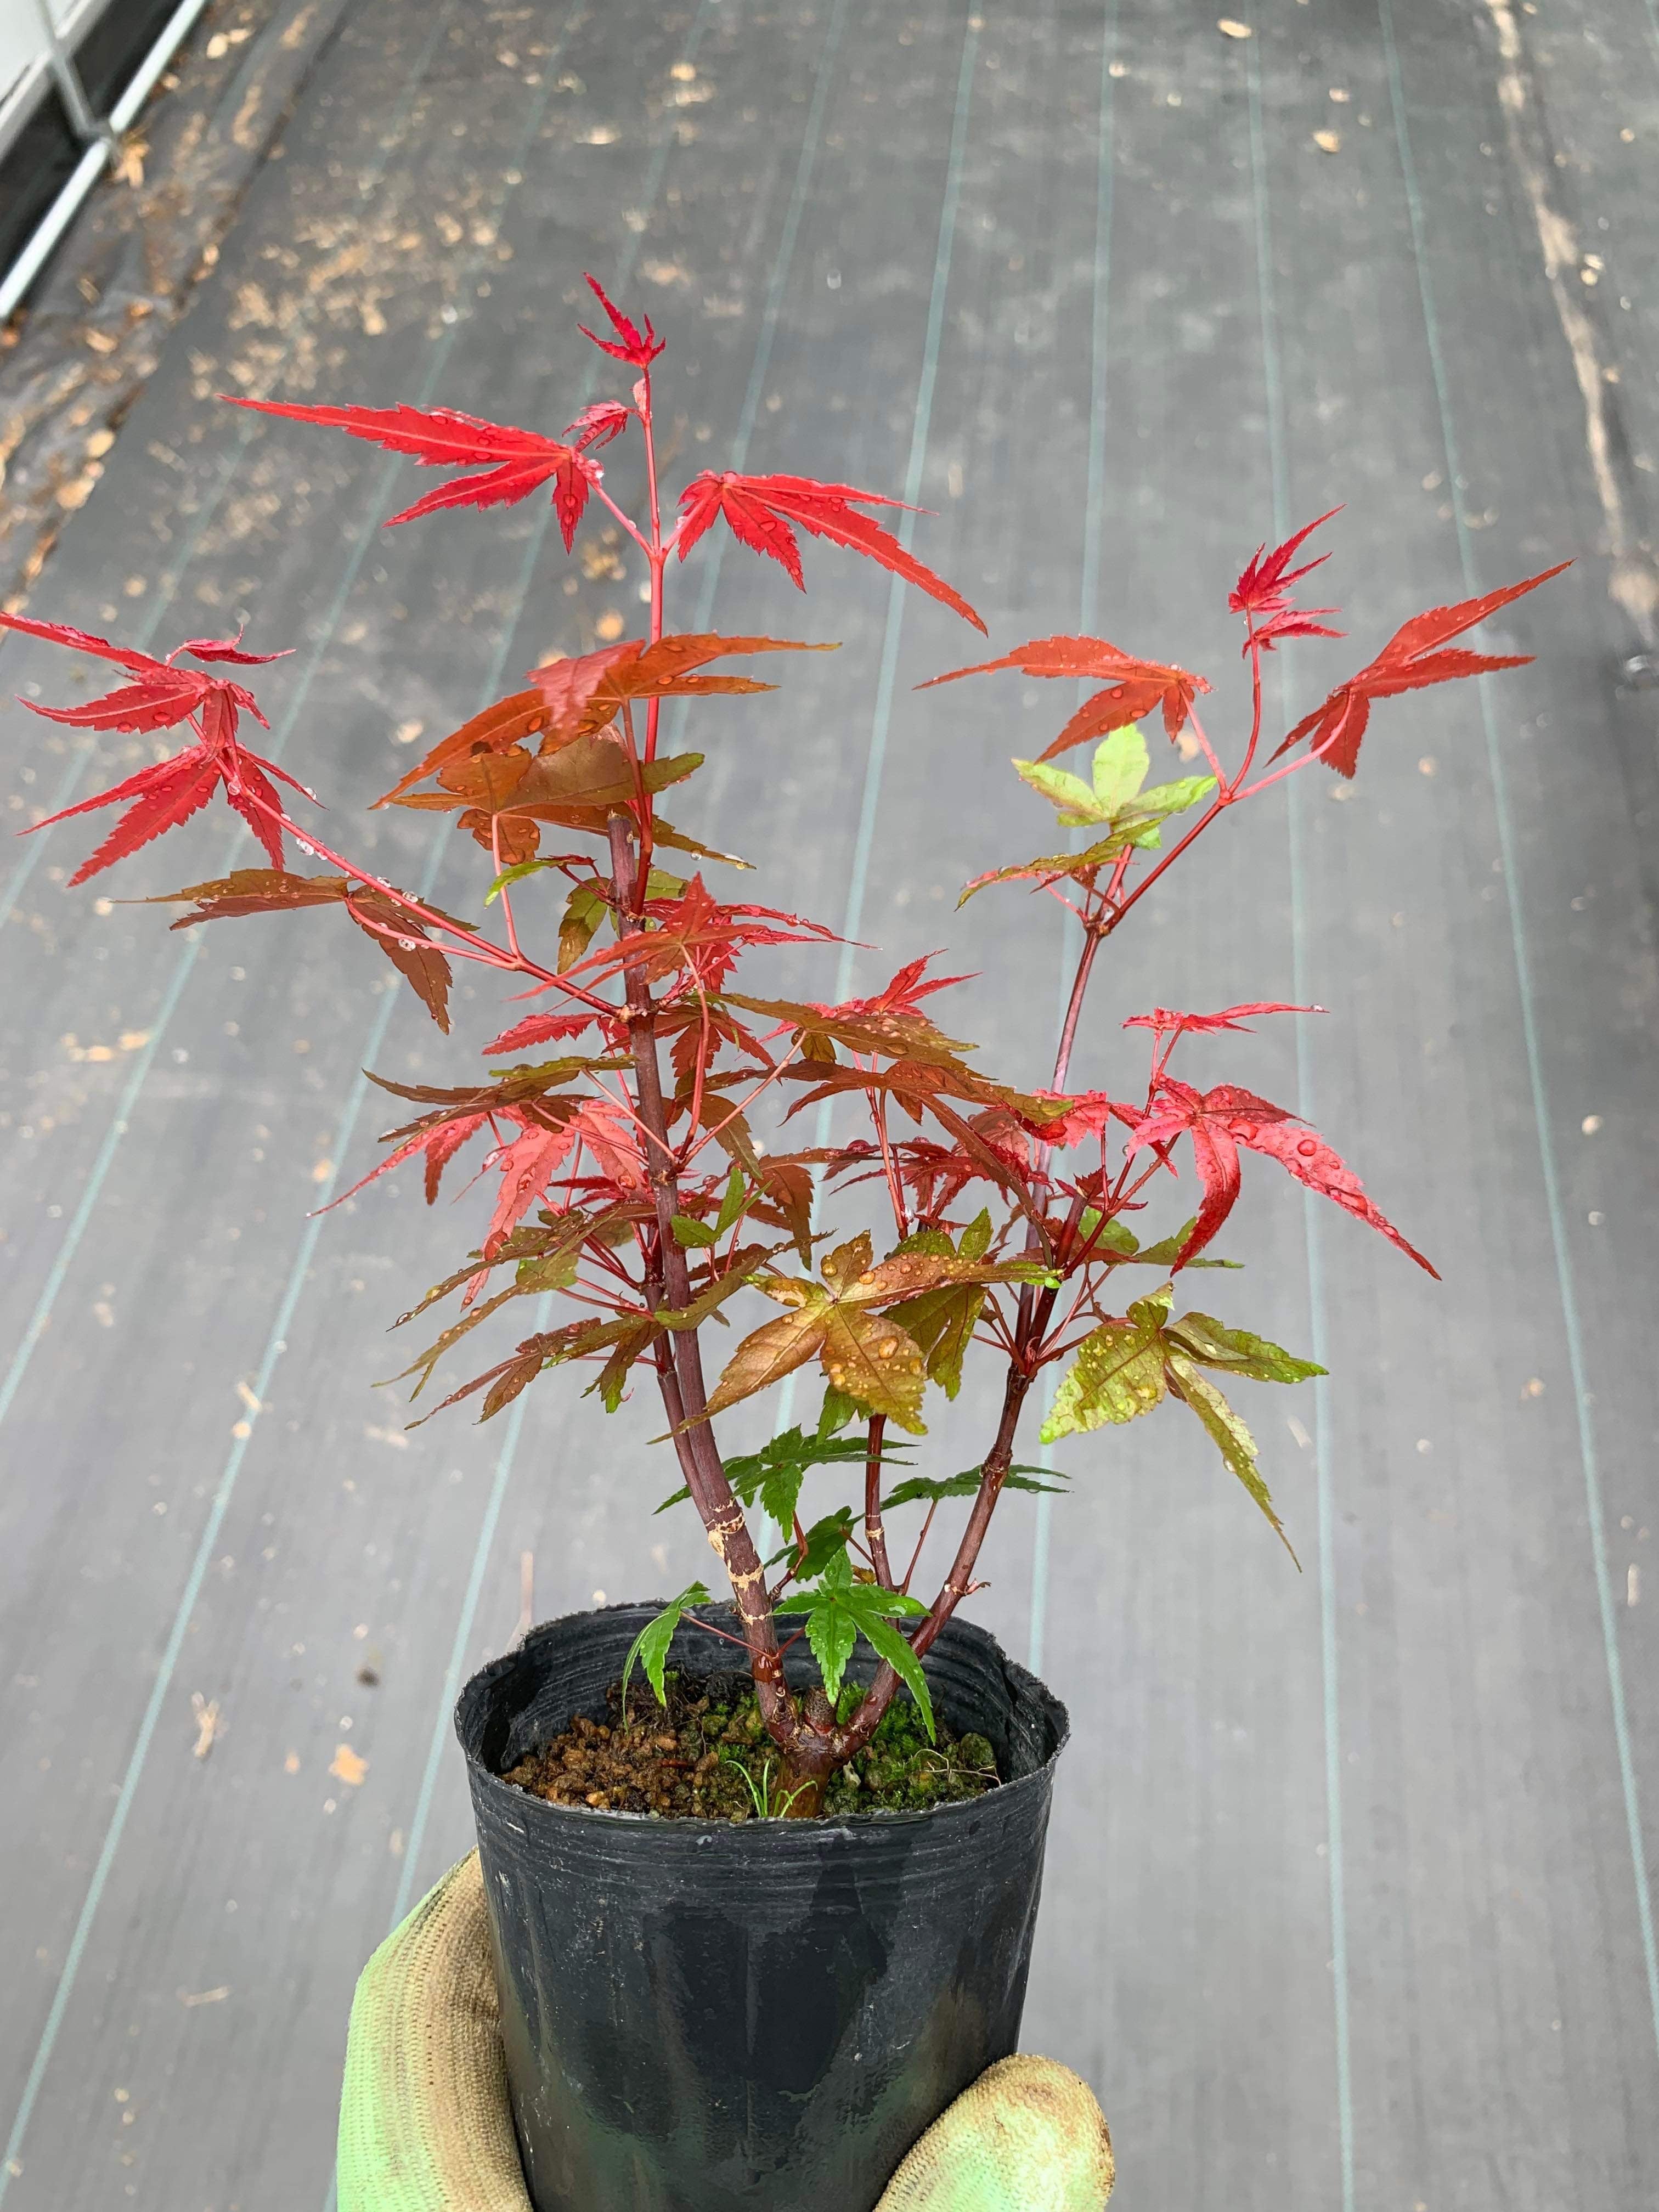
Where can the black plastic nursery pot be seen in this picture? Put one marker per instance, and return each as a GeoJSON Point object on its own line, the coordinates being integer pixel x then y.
{"type": "Point", "coordinates": [754, 2017]}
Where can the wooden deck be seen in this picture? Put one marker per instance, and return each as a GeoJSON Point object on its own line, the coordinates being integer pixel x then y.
{"type": "Point", "coordinates": [1349, 1902]}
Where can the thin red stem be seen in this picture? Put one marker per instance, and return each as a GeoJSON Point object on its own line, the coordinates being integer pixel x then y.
{"type": "Point", "coordinates": [1208, 748]}
{"type": "Point", "coordinates": [1213, 812]}
{"type": "Point", "coordinates": [656, 555]}
{"type": "Point", "coordinates": [1278, 775]}
{"type": "Point", "coordinates": [895, 1185]}
{"type": "Point", "coordinates": [933, 1507]}
{"type": "Point", "coordinates": [875, 1532]}
{"type": "Point", "coordinates": [626, 520]}
{"type": "Point", "coordinates": [505, 894]}
{"type": "Point", "coordinates": [480, 947]}
{"type": "Point", "coordinates": [1091, 944]}
{"type": "Point", "coordinates": [1255, 707]}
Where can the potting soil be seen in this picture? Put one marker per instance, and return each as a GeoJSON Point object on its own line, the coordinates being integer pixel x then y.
{"type": "Point", "coordinates": [705, 1755]}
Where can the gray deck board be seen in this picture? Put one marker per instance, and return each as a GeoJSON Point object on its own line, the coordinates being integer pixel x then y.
{"type": "Point", "coordinates": [1345, 1894]}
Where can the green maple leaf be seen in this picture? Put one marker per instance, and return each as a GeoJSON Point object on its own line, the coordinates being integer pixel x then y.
{"type": "Point", "coordinates": [650, 1647]}
{"type": "Point", "coordinates": [1139, 820]}
{"type": "Point", "coordinates": [1120, 766]}
{"type": "Point", "coordinates": [584, 912]}
{"type": "Point", "coordinates": [977, 1237]}
{"type": "Point", "coordinates": [823, 1543]}
{"type": "Point", "coordinates": [837, 1410]}
{"type": "Point", "coordinates": [1229, 1434]}
{"type": "Point", "coordinates": [1169, 1249]}
{"type": "Point", "coordinates": [773, 1474]}
{"type": "Point", "coordinates": [515, 874]}
{"type": "Point", "coordinates": [915, 1488]}
{"type": "Point", "coordinates": [1118, 1372]}
{"type": "Point", "coordinates": [941, 1322]}
{"type": "Point", "coordinates": [1125, 1368]}
{"type": "Point", "coordinates": [1237, 1350]}
{"type": "Point", "coordinates": [1138, 824]}
{"type": "Point", "coordinates": [1114, 797]}
{"type": "Point", "coordinates": [731, 1204]}
{"type": "Point", "coordinates": [612, 1378]}
{"type": "Point", "coordinates": [839, 1610]}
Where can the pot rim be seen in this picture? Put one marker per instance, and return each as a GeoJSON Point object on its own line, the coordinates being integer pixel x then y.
{"type": "Point", "coordinates": [679, 1823]}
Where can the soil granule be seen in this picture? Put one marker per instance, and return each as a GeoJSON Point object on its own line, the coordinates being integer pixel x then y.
{"type": "Point", "coordinates": [705, 1755]}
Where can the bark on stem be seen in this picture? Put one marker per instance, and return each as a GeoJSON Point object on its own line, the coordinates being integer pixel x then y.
{"type": "Point", "coordinates": [867, 1719]}
{"type": "Point", "coordinates": [721, 1514]}
{"type": "Point", "coordinates": [875, 1532]}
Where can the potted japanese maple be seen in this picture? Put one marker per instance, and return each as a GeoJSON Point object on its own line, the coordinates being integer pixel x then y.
{"type": "Point", "coordinates": [760, 1915]}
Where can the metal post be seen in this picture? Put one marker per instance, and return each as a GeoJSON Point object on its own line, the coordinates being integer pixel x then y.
{"type": "Point", "coordinates": [85, 125]}
{"type": "Point", "coordinates": [102, 140]}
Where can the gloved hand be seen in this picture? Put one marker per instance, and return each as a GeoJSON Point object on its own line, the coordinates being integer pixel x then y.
{"type": "Point", "coordinates": [425, 2124]}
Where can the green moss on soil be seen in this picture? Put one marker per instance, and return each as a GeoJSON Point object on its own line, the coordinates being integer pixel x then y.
{"type": "Point", "coordinates": [707, 1756]}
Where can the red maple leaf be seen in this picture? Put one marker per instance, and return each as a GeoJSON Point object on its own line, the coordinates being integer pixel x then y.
{"type": "Point", "coordinates": [1264, 589]}
{"type": "Point", "coordinates": [527, 1165]}
{"type": "Point", "coordinates": [584, 696]}
{"type": "Point", "coordinates": [228, 648]}
{"type": "Point", "coordinates": [439, 1144]}
{"type": "Point", "coordinates": [613, 1143]}
{"type": "Point", "coordinates": [696, 933]}
{"type": "Point", "coordinates": [1088, 1113]}
{"type": "Point", "coordinates": [1133, 688]}
{"type": "Point", "coordinates": [568, 685]}
{"type": "Point", "coordinates": [159, 697]}
{"type": "Point", "coordinates": [538, 1029]}
{"type": "Point", "coordinates": [763, 512]}
{"type": "Point", "coordinates": [599, 424]}
{"type": "Point", "coordinates": [1411, 660]}
{"type": "Point", "coordinates": [1218, 1122]}
{"type": "Point", "coordinates": [935, 1174]}
{"type": "Point", "coordinates": [639, 347]}
{"type": "Point", "coordinates": [529, 1162]}
{"type": "Point", "coordinates": [1165, 1023]}
{"type": "Point", "coordinates": [901, 996]}
{"type": "Point", "coordinates": [998, 1137]}
{"type": "Point", "coordinates": [515, 462]}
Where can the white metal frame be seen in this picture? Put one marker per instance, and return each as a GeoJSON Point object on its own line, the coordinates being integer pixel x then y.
{"type": "Point", "coordinates": [29, 30]}
{"type": "Point", "coordinates": [42, 31]}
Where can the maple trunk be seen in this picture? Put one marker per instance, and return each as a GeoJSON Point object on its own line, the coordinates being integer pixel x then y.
{"type": "Point", "coordinates": [808, 1750]}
